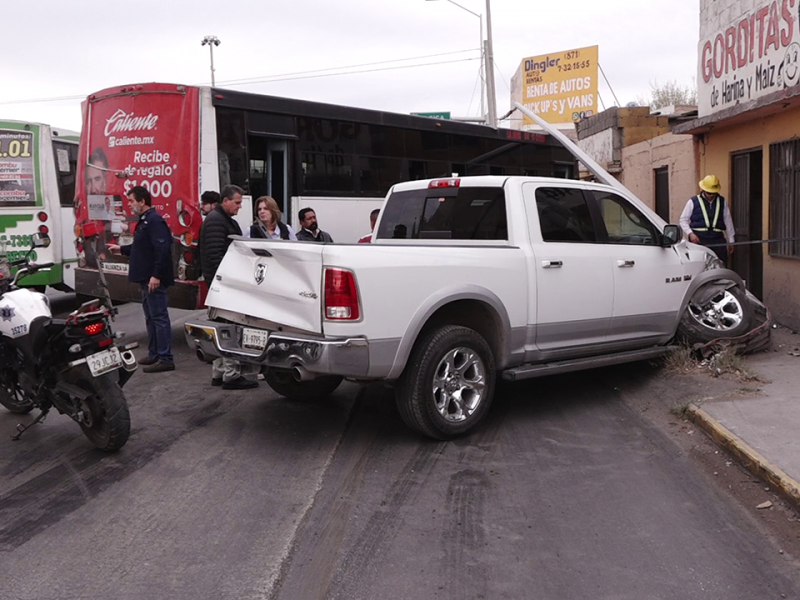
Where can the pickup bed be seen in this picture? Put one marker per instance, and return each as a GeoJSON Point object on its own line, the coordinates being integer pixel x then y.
{"type": "Point", "coordinates": [468, 279]}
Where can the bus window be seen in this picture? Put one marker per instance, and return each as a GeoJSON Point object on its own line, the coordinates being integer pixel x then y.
{"type": "Point", "coordinates": [66, 157]}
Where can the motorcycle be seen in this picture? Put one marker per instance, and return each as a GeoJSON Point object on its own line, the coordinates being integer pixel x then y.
{"type": "Point", "coordinates": [72, 364]}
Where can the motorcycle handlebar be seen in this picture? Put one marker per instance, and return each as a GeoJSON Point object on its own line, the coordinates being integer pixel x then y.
{"type": "Point", "coordinates": [29, 269]}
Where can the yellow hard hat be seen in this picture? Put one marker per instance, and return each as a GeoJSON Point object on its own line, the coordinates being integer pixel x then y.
{"type": "Point", "coordinates": [710, 184]}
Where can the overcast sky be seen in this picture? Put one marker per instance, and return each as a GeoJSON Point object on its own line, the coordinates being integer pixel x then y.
{"type": "Point", "coordinates": [56, 49]}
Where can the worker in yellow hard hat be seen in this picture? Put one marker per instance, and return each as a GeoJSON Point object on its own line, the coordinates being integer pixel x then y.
{"type": "Point", "coordinates": [706, 219]}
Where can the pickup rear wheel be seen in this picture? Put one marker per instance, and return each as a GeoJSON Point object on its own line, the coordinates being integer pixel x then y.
{"type": "Point", "coordinates": [448, 384]}
{"type": "Point", "coordinates": [285, 384]}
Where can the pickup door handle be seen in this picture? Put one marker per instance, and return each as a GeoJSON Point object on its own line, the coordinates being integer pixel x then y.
{"type": "Point", "coordinates": [551, 264]}
{"type": "Point", "coordinates": [625, 263]}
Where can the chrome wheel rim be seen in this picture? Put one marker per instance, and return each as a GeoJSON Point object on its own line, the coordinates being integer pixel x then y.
{"type": "Point", "coordinates": [723, 312]}
{"type": "Point", "coordinates": [459, 383]}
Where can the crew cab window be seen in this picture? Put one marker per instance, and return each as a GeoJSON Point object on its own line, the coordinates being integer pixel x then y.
{"type": "Point", "coordinates": [468, 213]}
{"type": "Point", "coordinates": [625, 223]}
{"type": "Point", "coordinates": [564, 215]}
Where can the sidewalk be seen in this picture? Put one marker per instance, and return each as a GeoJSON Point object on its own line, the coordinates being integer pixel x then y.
{"type": "Point", "coordinates": [763, 430]}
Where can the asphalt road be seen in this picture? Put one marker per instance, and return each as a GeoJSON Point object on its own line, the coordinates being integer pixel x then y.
{"type": "Point", "coordinates": [565, 493]}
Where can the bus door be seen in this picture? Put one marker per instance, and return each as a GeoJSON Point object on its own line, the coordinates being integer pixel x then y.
{"type": "Point", "coordinates": [268, 170]}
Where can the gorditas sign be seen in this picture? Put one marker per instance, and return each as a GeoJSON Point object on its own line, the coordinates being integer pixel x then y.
{"type": "Point", "coordinates": [143, 135]}
{"type": "Point", "coordinates": [747, 50]}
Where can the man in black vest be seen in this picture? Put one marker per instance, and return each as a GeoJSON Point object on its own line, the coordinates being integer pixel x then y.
{"type": "Point", "coordinates": [706, 219]}
{"type": "Point", "coordinates": [214, 242]}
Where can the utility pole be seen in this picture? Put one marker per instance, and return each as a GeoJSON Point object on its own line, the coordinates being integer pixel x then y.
{"type": "Point", "coordinates": [491, 121]}
{"type": "Point", "coordinates": [212, 41]}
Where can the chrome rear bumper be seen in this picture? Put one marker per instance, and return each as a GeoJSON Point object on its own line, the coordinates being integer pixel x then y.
{"type": "Point", "coordinates": [316, 355]}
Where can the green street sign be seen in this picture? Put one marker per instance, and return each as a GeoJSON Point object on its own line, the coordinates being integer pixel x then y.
{"type": "Point", "coordinates": [434, 115]}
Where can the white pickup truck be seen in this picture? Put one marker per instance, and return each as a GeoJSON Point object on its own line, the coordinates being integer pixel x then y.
{"type": "Point", "coordinates": [468, 279]}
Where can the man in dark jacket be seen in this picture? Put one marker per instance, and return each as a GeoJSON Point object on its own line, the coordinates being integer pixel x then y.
{"type": "Point", "coordinates": [214, 242]}
{"type": "Point", "coordinates": [151, 267]}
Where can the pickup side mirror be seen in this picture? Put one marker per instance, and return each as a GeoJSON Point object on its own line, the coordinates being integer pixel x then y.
{"type": "Point", "coordinates": [671, 235]}
{"type": "Point", "coordinates": [40, 240]}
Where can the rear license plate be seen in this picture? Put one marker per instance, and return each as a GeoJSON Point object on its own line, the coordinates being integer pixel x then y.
{"type": "Point", "coordinates": [104, 361]}
{"type": "Point", "coordinates": [254, 339]}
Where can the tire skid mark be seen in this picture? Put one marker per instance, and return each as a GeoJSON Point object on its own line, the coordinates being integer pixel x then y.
{"type": "Point", "coordinates": [465, 540]}
{"type": "Point", "coordinates": [382, 527]}
{"type": "Point", "coordinates": [464, 536]}
{"type": "Point", "coordinates": [44, 500]}
{"type": "Point", "coordinates": [322, 557]}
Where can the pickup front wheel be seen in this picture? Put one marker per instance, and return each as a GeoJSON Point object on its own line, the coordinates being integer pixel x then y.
{"type": "Point", "coordinates": [448, 384]}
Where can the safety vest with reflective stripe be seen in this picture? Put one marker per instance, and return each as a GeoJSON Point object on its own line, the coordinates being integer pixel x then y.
{"type": "Point", "coordinates": [700, 220]}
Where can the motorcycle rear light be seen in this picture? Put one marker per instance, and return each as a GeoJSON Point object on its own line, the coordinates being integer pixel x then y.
{"type": "Point", "coordinates": [44, 229]}
{"type": "Point", "coordinates": [188, 257]}
{"type": "Point", "coordinates": [104, 343]}
{"type": "Point", "coordinates": [341, 296]}
{"type": "Point", "coordinates": [94, 328]}
{"type": "Point", "coordinates": [42, 216]}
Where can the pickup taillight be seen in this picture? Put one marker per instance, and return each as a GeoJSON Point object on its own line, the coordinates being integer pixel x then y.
{"type": "Point", "coordinates": [341, 296]}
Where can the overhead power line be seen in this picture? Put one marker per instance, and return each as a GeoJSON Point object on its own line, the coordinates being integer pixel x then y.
{"type": "Point", "coordinates": [346, 70]}
{"type": "Point", "coordinates": [370, 64]}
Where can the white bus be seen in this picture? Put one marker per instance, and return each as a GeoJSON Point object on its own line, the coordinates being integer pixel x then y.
{"type": "Point", "coordinates": [37, 188]}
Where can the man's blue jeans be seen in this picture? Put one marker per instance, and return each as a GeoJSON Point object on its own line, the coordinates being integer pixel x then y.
{"type": "Point", "coordinates": [156, 317]}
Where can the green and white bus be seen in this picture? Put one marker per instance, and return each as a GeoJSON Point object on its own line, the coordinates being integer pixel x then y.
{"type": "Point", "coordinates": [37, 189]}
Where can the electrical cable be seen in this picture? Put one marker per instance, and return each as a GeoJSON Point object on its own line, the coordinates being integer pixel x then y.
{"type": "Point", "coordinates": [370, 64]}
{"type": "Point", "coordinates": [608, 84]}
{"type": "Point", "coordinates": [287, 76]}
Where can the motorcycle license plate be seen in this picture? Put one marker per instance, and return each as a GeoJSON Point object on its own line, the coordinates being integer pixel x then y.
{"type": "Point", "coordinates": [254, 339]}
{"type": "Point", "coordinates": [104, 361]}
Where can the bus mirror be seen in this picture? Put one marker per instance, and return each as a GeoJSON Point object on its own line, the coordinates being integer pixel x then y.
{"type": "Point", "coordinates": [40, 240]}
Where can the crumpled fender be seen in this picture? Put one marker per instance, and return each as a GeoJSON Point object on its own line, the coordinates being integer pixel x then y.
{"type": "Point", "coordinates": [715, 281]}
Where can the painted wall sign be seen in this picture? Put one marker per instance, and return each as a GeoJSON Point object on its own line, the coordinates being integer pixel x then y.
{"type": "Point", "coordinates": [747, 49]}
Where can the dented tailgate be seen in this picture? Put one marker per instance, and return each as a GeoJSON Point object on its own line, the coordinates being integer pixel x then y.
{"type": "Point", "coordinates": [274, 280]}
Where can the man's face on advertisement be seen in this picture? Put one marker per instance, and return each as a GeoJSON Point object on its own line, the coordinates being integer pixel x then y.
{"type": "Point", "coordinates": [95, 180]}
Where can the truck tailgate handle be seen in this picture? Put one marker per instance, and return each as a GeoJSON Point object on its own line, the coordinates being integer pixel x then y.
{"type": "Point", "coordinates": [625, 263]}
{"type": "Point", "coordinates": [551, 264]}
{"type": "Point", "coordinates": [260, 252]}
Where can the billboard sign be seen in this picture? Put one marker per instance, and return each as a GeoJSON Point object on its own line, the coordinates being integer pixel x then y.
{"type": "Point", "coordinates": [747, 50]}
{"type": "Point", "coordinates": [560, 87]}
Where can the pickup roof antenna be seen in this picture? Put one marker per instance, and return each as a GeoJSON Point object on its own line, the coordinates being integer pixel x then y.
{"type": "Point", "coordinates": [598, 171]}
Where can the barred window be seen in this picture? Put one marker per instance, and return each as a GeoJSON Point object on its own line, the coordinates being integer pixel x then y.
{"type": "Point", "coordinates": [784, 198]}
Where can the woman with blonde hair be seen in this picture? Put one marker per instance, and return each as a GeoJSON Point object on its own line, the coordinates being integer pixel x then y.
{"type": "Point", "coordinates": [268, 222]}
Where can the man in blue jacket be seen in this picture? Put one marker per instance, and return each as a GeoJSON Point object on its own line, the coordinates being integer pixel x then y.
{"type": "Point", "coordinates": [151, 267]}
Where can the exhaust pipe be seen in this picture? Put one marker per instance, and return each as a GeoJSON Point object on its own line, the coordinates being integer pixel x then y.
{"type": "Point", "coordinates": [302, 374]}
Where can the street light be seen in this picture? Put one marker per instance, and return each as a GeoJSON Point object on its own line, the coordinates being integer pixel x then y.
{"type": "Point", "coordinates": [487, 65]}
{"type": "Point", "coordinates": [212, 41]}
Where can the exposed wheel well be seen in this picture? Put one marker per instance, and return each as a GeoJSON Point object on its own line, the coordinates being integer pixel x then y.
{"type": "Point", "coordinates": [476, 315]}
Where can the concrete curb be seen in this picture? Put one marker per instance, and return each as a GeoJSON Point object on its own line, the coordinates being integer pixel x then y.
{"type": "Point", "coordinates": [752, 460]}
